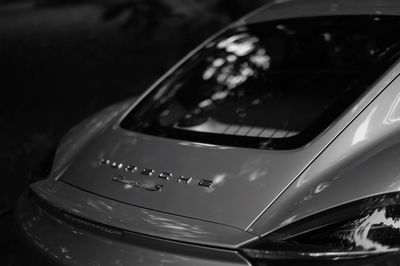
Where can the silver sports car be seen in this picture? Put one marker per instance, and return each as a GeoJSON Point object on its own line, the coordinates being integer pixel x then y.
{"type": "Point", "coordinates": [275, 142]}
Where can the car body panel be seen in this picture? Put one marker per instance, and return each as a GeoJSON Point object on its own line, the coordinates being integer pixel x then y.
{"type": "Point", "coordinates": [245, 173]}
{"type": "Point", "coordinates": [246, 181]}
{"type": "Point", "coordinates": [76, 246]}
{"type": "Point", "coordinates": [363, 161]}
{"type": "Point", "coordinates": [139, 220]}
{"type": "Point", "coordinates": [79, 136]}
{"type": "Point", "coordinates": [305, 8]}
{"type": "Point", "coordinates": [254, 191]}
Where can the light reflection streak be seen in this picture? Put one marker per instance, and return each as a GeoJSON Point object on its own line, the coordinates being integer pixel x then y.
{"type": "Point", "coordinates": [254, 169]}
{"type": "Point", "coordinates": [393, 115]}
{"type": "Point", "coordinates": [321, 187]}
{"type": "Point", "coordinates": [219, 179]}
{"type": "Point", "coordinates": [304, 178]}
{"type": "Point", "coordinates": [288, 220]}
{"type": "Point", "coordinates": [313, 192]}
{"type": "Point", "coordinates": [175, 228]}
{"type": "Point", "coordinates": [359, 236]}
{"type": "Point", "coordinates": [78, 136]}
{"type": "Point", "coordinates": [204, 145]}
{"type": "Point", "coordinates": [100, 206]}
{"type": "Point", "coordinates": [362, 131]}
{"type": "Point", "coordinates": [231, 72]}
{"type": "Point", "coordinates": [256, 174]}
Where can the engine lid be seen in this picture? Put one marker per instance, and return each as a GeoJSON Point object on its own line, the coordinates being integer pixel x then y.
{"type": "Point", "coordinates": [225, 185]}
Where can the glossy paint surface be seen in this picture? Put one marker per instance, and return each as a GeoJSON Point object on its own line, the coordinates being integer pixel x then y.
{"type": "Point", "coordinates": [139, 220]}
{"type": "Point", "coordinates": [75, 246]}
{"type": "Point", "coordinates": [80, 135]}
{"type": "Point", "coordinates": [305, 8]}
{"type": "Point", "coordinates": [245, 181]}
{"type": "Point", "coordinates": [363, 161]}
{"type": "Point", "coordinates": [254, 190]}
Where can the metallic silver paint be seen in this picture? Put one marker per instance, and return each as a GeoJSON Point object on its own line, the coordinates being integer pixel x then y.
{"type": "Point", "coordinates": [282, 9]}
{"type": "Point", "coordinates": [255, 177]}
{"type": "Point", "coordinates": [255, 190]}
{"type": "Point", "coordinates": [363, 161]}
{"type": "Point", "coordinates": [139, 220]}
{"type": "Point", "coordinates": [79, 136]}
{"type": "Point", "coordinates": [75, 246]}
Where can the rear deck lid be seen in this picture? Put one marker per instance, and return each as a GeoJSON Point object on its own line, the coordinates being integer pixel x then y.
{"type": "Point", "coordinates": [226, 132]}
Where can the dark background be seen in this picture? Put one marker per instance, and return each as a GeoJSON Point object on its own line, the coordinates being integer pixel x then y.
{"type": "Point", "coordinates": [61, 60]}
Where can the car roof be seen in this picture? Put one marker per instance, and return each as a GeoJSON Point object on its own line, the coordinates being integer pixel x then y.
{"type": "Point", "coordinates": [282, 9]}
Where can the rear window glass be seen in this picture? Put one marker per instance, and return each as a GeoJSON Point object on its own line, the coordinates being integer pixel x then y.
{"type": "Point", "coordinates": [270, 85]}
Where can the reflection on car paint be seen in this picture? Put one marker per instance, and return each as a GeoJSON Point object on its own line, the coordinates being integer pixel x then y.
{"type": "Point", "coordinates": [361, 132]}
{"type": "Point", "coordinates": [359, 237]}
{"type": "Point", "coordinates": [173, 227]}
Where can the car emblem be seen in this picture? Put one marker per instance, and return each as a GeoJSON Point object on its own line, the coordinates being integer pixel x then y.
{"type": "Point", "coordinates": [130, 183]}
{"type": "Point", "coordinates": [129, 168]}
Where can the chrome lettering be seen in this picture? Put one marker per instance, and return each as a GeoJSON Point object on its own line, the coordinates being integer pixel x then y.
{"type": "Point", "coordinates": [147, 171]}
{"type": "Point", "coordinates": [104, 161]}
{"type": "Point", "coordinates": [184, 179]}
{"type": "Point", "coordinates": [205, 183]}
{"type": "Point", "coordinates": [165, 175]}
{"type": "Point", "coordinates": [117, 165]}
{"type": "Point", "coordinates": [130, 168]}
{"type": "Point", "coordinates": [123, 180]}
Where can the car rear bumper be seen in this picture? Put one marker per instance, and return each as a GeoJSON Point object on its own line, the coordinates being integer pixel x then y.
{"type": "Point", "coordinates": [50, 240]}
{"type": "Point", "coordinates": [55, 241]}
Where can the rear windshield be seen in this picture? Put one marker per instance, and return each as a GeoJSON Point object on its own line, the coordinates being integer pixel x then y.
{"type": "Point", "coordinates": [270, 85]}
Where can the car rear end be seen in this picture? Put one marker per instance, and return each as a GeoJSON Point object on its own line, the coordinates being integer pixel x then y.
{"type": "Point", "coordinates": [208, 167]}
